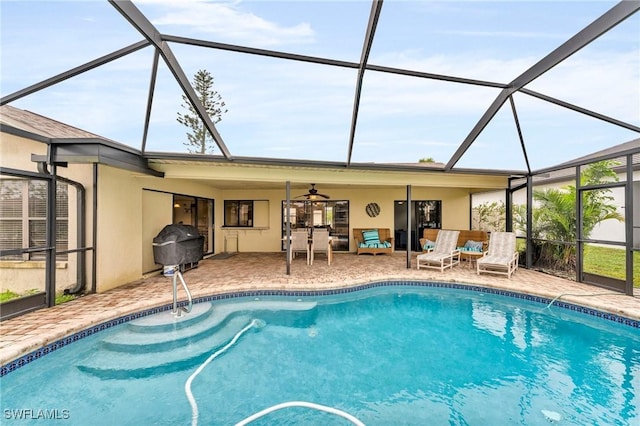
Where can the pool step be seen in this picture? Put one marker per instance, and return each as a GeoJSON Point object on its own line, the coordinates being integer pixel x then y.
{"type": "Point", "coordinates": [158, 334]}
{"type": "Point", "coordinates": [166, 321]}
{"type": "Point", "coordinates": [161, 344]}
{"type": "Point", "coordinates": [157, 339]}
{"type": "Point", "coordinates": [107, 364]}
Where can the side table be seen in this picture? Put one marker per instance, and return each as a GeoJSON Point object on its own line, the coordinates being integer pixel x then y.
{"type": "Point", "coordinates": [471, 256]}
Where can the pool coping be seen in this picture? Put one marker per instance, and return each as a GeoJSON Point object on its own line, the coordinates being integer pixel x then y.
{"type": "Point", "coordinates": [89, 331]}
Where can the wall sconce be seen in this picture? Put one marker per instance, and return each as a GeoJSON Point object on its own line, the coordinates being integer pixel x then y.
{"type": "Point", "coordinates": [176, 206]}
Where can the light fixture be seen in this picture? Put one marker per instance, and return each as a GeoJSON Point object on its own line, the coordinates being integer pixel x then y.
{"type": "Point", "coordinates": [313, 194]}
{"type": "Point", "coordinates": [176, 206]}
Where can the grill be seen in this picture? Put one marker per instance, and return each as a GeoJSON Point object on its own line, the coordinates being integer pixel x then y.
{"type": "Point", "coordinates": [178, 244]}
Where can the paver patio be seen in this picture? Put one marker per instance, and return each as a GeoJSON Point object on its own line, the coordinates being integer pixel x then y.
{"type": "Point", "coordinates": [267, 271]}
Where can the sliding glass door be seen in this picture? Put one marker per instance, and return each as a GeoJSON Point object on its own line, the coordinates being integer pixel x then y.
{"type": "Point", "coordinates": [425, 214]}
{"type": "Point", "coordinates": [310, 215]}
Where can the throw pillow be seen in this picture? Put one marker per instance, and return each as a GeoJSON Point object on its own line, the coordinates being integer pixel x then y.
{"type": "Point", "coordinates": [473, 245]}
{"type": "Point", "coordinates": [371, 236]}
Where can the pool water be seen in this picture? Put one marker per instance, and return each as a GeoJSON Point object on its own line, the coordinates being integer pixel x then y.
{"type": "Point", "coordinates": [388, 356]}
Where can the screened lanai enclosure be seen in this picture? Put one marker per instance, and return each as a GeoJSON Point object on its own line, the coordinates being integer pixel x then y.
{"type": "Point", "coordinates": [546, 94]}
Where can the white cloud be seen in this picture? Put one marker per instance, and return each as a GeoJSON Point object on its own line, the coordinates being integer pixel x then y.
{"type": "Point", "coordinates": [228, 22]}
{"type": "Point", "coordinates": [605, 82]}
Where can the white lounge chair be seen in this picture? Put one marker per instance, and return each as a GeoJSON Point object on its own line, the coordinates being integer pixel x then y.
{"type": "Point", "coordinates": [320, 243]}
{"type": "Point", "coordinates": [300, 244]}
{"type": "Point", "coordinates": [501, 257]}
{"type": "Point", "coordinates": [444, 253]}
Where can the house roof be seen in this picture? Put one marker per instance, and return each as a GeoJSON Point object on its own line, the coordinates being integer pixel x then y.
{"type": "Point", "coordinates": [41, 125]}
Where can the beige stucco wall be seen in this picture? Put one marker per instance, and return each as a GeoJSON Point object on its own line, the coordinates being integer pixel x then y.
{"type": "Point", "coordinates": [15, 152]}
{"type": "Point", "coordinates": [23, 276]}
{"type": "Point", "coordinates": [132, 209]}
{"type": "Point", "coordinates": [455, 212]}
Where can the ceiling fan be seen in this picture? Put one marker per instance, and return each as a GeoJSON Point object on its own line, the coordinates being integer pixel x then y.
{"type": "Point", "coordinates": [313, 194]}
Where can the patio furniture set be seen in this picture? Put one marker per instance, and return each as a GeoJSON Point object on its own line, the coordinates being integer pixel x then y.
{"type": "Point", "coordinates": [442, 248]}
{"type": "Point", "coordinates": [500, 256]}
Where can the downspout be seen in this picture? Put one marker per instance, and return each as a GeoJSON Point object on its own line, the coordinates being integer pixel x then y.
{"type": "Point", "coordinates": [81, 222]}
{"type": "Point", "coordinates": [50, 276]}
{"type": "Point", "coordinates": [94, 257]}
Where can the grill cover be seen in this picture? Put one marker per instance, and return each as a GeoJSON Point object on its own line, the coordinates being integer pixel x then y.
{"type": "Point", "coordinates": [178, 244]}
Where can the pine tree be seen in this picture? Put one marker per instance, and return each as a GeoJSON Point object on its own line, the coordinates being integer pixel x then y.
{"type": "Point", "coordinates": [200, 140]}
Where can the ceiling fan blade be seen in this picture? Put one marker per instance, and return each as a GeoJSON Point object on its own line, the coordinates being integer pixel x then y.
{"type": "Point", "coordinates": [313, 193]}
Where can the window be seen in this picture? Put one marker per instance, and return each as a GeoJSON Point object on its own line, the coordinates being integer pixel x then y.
{"type": "Point", "coordinates": [332, 215]}
{"type": "Point", "coordinates": [238, 213]}
{"type": "Point", "coordinates": [23, 217]}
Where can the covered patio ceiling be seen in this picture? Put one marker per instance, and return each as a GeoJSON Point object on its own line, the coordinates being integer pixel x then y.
{"type": "Point", "coordinates": [493, 86]}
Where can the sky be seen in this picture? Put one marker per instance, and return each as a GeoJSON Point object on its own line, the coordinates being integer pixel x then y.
{"type": "Point", "coordinates": [294, 110]}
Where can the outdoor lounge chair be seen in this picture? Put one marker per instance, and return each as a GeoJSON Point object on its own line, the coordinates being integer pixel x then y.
{"type": "Point", "coordinates": [299, 244]}
{"type": "Point", "coordinates": [321, 244]}
{"type": "Point", "coordinates": [444, 253]}
{"type": "Point", "coordinates": [501, 257]}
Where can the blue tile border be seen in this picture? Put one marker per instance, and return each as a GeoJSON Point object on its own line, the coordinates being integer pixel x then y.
{"type": "Point", "coordinates": [51, 347]}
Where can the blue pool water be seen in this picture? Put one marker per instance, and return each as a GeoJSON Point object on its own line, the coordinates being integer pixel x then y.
{"type": "Point", "coordinates": [389, 355]}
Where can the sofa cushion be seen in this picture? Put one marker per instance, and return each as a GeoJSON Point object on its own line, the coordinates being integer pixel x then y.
{"type": "Point", "coordinates": [371, 236]}
{"type": "Point", "coordinates": [383, 244]}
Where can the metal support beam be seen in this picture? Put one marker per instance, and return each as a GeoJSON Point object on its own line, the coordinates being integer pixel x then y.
{"type": "Point", "coordinates": [287, 232]}
{"type": "Point", "coordinates": [581, 110]}
{"type": "Point", "coordinates": [409, 227]}
{"type": "Point", "coordinates": [479, 127]}
{"type": "Point", "coordinates": [146, 28]}
{"type": "Point", "coordinates": [579, 225]}
{"type": "Point", "coordinates": [376, 7]}
{"type": "Point", "coordinates": [529, 260]}
{"type": "Point", "coordinates": [604, 23]}
{"type": "Point", "coordinates": [50, 254]}
{"type": "Point", "coordinates": [628, 224]}
{"type": "Point", "coordinates": [508, 207]}
{"type": "Point", "coordinates": [152, 86]}
{"type": "Point", "coordinates": [517, 122]}
{"type": "Point", "coordinates": [74, 71]}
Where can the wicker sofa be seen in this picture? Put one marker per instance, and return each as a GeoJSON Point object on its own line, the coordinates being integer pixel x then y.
{"type": "Point", "coordinates": [463, 237]}
{"type": "Point", "coordinates": [384, 247]}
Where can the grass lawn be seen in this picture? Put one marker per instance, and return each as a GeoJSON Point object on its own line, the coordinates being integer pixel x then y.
{"type": "Point", "coordinates": [9, 295]}
{"type": "Point", "coordinates": [610, 262]}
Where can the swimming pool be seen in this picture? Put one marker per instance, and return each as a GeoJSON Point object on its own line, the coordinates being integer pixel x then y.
{"type": "Point", "coordinates": [408, 353]}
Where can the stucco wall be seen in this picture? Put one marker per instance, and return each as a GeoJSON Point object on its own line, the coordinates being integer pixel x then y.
{"type": "Point", "coordinates": [132, 209]}
{"type": "Point", "coordinates": [22, 276]}
{"type": "Point", "coordinates": [455, 212]}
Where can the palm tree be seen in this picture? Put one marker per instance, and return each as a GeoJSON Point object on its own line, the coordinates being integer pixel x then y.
{"type": "Point", "coordinates": [555, 213]}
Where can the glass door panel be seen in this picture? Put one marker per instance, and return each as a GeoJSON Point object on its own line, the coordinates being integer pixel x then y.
{"type": "Point", "coordinates": [425, 214]}
{"type": "Point", "coordinates": [603, 233]}
{"type": "Point", "coordinates": [205, 223]}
